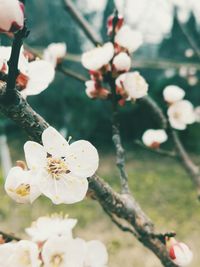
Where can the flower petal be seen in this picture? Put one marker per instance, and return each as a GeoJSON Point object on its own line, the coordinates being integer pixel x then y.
{"type": "Point", "coordinates": [82, 158]}
{"type": "Point", "coordinates": [97, 255]}
{"type": "Point", "coordinates": [54, 143]}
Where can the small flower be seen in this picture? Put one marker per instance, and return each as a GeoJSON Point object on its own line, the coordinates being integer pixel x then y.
{"type": "Point", "coordinates": [98, 57]}
{"type": "Point", "coordinates": [180, 114]}
{"type": "Point", "coordinates": [12, 15]}
{"type": "Point", "coordinates": [153, 138]}
{"type": "Point", "coordinates": [21, 186]}
{"type": "Point", "coordinates": [133, 85]}
{"type": "Point", "coordinates": [128, 38]}
{"type": "Point", "coordinates": [122, 62]}
{"type": "Point", "coordinates": [179, 252]}
{"type": "Point", "coordinates": [61, 169]}
{"type": "Point", "coordinates": [173, 93]}
{"type": "Point", "coordinates": [94, 90]}
{"type": "Point", "coordinates": [25, 254]}
{"type": "Point", "coordinates": [46, 227]}
{"type": "Point", "coordinates": [54, 53]}
{"type": "Point", "coordinates": [96, 254]}
{"type": "Point", "coordinates": [62, 251]}
{"type": "Point", "coordinates": [119, 20]}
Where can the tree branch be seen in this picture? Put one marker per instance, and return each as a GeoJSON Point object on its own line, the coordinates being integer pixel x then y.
{"type": "Point", "coordinates": [82, 22]}
{"type": "Point", "coordinates": [8, 237]}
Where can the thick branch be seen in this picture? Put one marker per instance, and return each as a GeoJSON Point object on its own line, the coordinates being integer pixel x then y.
{"type": "Point", "coordinates": [82, 22]}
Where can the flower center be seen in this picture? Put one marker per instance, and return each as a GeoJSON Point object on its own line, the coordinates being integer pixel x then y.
{"type": "Point", "coordinates": [23, 190]}
{"type": "Point", "coordinates": [56, 167]}
{"type": "Point", "coordinates": [56, 260]}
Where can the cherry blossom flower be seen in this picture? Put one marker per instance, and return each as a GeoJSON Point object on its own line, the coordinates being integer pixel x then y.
{"type": "Point", "coordinates": [128, 38]}
{"type": "Point", "coordinates": [61, 169]}
{"type": "Point", "coordinates": [180, 114]}
{"type": "Point", "coordinates": [46, 227]}
{"type": "Point", "coordinates": [122, 62]}
{"type": "Point", "coordinates": [173, 93]}
{"type": "Point", "coordinates": [96, 254]}
{"type": "Point", "coordinates": [12, 15]}
{"type": "Point", "coordinates": [21, 186]}
{"type": "Point", "coordinates": [133, 85]}
{"type": "Point", "coordinates": [25, 254]}
{"type": "Point", "coordinates": [62, 252]}
{"type": "Point", "coordinates": [55, 53]}
{"type": "Point", "coordinates": [179, 252]}
{"type": "Point", "coordinates": [98, 57]}
{"type": "Point", "coordinates": [153, 138]}
{"type": "Point", "coordinates": [94, 90]}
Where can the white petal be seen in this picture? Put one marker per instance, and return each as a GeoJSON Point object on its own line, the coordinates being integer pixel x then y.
{"type": "Point", "coordinates": [97, 255]}
{"type": "Point", "coordinates": [122, 62]}
{"type": "Point", "coordinates": [154, 136]}
{"type": "Point", "coordinates": [35, 155]}
{"type": "Point", "coordinates": [173, 93]}
{"type": "Point", "coordinates": [82, 158]}
{"type": "Point", "coordinates": [54, 143]}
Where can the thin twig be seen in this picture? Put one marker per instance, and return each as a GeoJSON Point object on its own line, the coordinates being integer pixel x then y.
{"type": "Point", "coordinates": [171, 154]}
{"type": "Point", "coordinates": [82, 22]}
{"type": "Point", "coordinates": [9, 237]}
{"type": "Point", "coordinates": [71, 73]}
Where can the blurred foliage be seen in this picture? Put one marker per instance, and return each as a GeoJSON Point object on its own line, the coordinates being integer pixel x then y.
{"type": "Point", "coordinates": [65, 104]}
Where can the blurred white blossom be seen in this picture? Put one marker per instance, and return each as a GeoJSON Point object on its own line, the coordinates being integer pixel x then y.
{"type": "Point", "coordinates": [173, 93]}
{"type": "Point", "coordinates": [153, 138]}
{"type": "Point", "coordinates": [54, 53]}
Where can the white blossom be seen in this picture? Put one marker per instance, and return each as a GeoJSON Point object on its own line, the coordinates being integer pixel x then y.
{"type": "Point", "coordinates": [133, 84]}
{"type": "Point", "coordinates": [25, 254]}
{"type": "Point", "coordinates": [128, 38]}
{"type": "Point", "coordinates": [21, 186]}
{"type": "Point", "coordinates": [173, 93]}
{"type": "Point", "coordinates": [55, 52]}
{"type": "Point", "coordinates": [180, 114]}
{"type": "Point", "coordinates": [122, 62]}
{"type": "Point", "coordinates": [98, 57]}
{"type": "Point", "coordinates": [61, 169]}
{"type": "Point", "coordinates": [179, 252]}
{"type": "Point", "coordinates": [12, 15]}
{"type": "Point", "coordinates": [46, 227]}
{"type": "Point", "coordinates": [93, 90]}
{"type": "Point", "coordinates": [64, 252]}
{"type": "Point", "coordinates": [96, 254]}
{"type": "Point", "coordinates": [6, 252]}
{"type": "Point", "coordinates": [153, 138]}
{"type": "Point", "coordinates": [197, 114]}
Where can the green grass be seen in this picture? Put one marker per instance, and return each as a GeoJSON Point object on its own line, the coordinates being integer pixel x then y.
{"type": "Point", "coordinates": [161, 186]}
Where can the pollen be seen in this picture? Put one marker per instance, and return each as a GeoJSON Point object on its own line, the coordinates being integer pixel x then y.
{"type": "Point", "coordinates": [23, 190]}
{"type": "Point", "coordinates": [56, 167]}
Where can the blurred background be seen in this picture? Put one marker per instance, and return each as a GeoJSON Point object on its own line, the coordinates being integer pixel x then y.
{"type": "Point", "coordinates": [170, 55]}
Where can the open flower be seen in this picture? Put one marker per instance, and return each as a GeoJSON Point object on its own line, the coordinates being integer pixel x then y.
{"type": "Point", "coordinates": [173, 93]}
{"type": "Point", "coordinates": [46, 227]}
{"type": "Point", "coordinates": [98, 57]}
{"type": "Point", "coordinates": [21, 186]}
{"type": "Point", "coordinates": [122, 62]}
{"type": "Point", "coordinates": [180, 114]}
{"type": "Point", "coordinates": [12, 15]}
{"type": "Point", "coordinates": [61, 169]}
{"type": "Point", "coordinates": [133, 85]}
{"type": "Point", "coordinates": [96, 254]}
{"type": "Point", "coordinates": [153, 138]}
{"type": "Point", "coordinates": [62, 252]}
{"type": "Point", "coordinates": [179, 252]}
{"type": "Point", "coordinates": [25, 254]}
{"type": "Point", "coordinates": [128, 38]}
{"type": "Point", "coordinates": [94, 90]}
{"type": "Point", "coordinates": [54, 53]}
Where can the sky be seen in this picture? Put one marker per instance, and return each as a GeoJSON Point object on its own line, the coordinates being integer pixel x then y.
{"type": "Point", "coordinates": [153, 18]}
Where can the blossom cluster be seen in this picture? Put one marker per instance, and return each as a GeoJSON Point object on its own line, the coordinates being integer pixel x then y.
{"type": "Point", "coordinates": [180, 111]}
{"type": "Point", "coordinates": [112, 61]}
{"type": "Point", "coordinates": [56, 169]}
{"type": "Point", "coordinates": [52, 244]}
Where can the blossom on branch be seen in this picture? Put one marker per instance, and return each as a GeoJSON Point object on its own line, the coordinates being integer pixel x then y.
{"type": "Point", "coordinates": [153, 138]}
{"type": "Point", "coordinates": [173, 93]}
{"type": "Point", "coordinates": [98, 57]}
{"type": "Point", "coordinates": [179, 252]}
{"type": "Point", "coordinates": [118, 24]}
{"type": "Point", "coordinates": [122, 62]}
{"type": "Point", "coordinates": [12, 15]}
{"type": "Point", "coordinates": [94, 90]}
{"type": "Point", "coordinates": [55, 53]}
{"type": "Point", "coordinates": [181, 114]}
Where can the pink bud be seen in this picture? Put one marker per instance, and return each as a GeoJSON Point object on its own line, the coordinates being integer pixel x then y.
{"type": "Point", "coordinates": [120, 21]}
{"type": "Point", "coordinates": [94, 90]}
{"type": "Point", "coordinates": [12, 15]}
{"type": "Point", "coordinates": [179, 252]}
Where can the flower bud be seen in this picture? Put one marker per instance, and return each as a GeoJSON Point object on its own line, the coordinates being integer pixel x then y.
{"type": "Point", "coordinates": [173, 93]}
{"type": "Point", "coordinates": [12, 15]}
{"type": "Point", "coordinates": [179, 252]}
{"type": "Point", "coordinates": [122, 62]}
{"type": "Point", "coordinates": [153, 138]}
{"type": "Point", "coordinates": [94, 90]}
{"type": "Point", "coordinates": [118, 23]}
